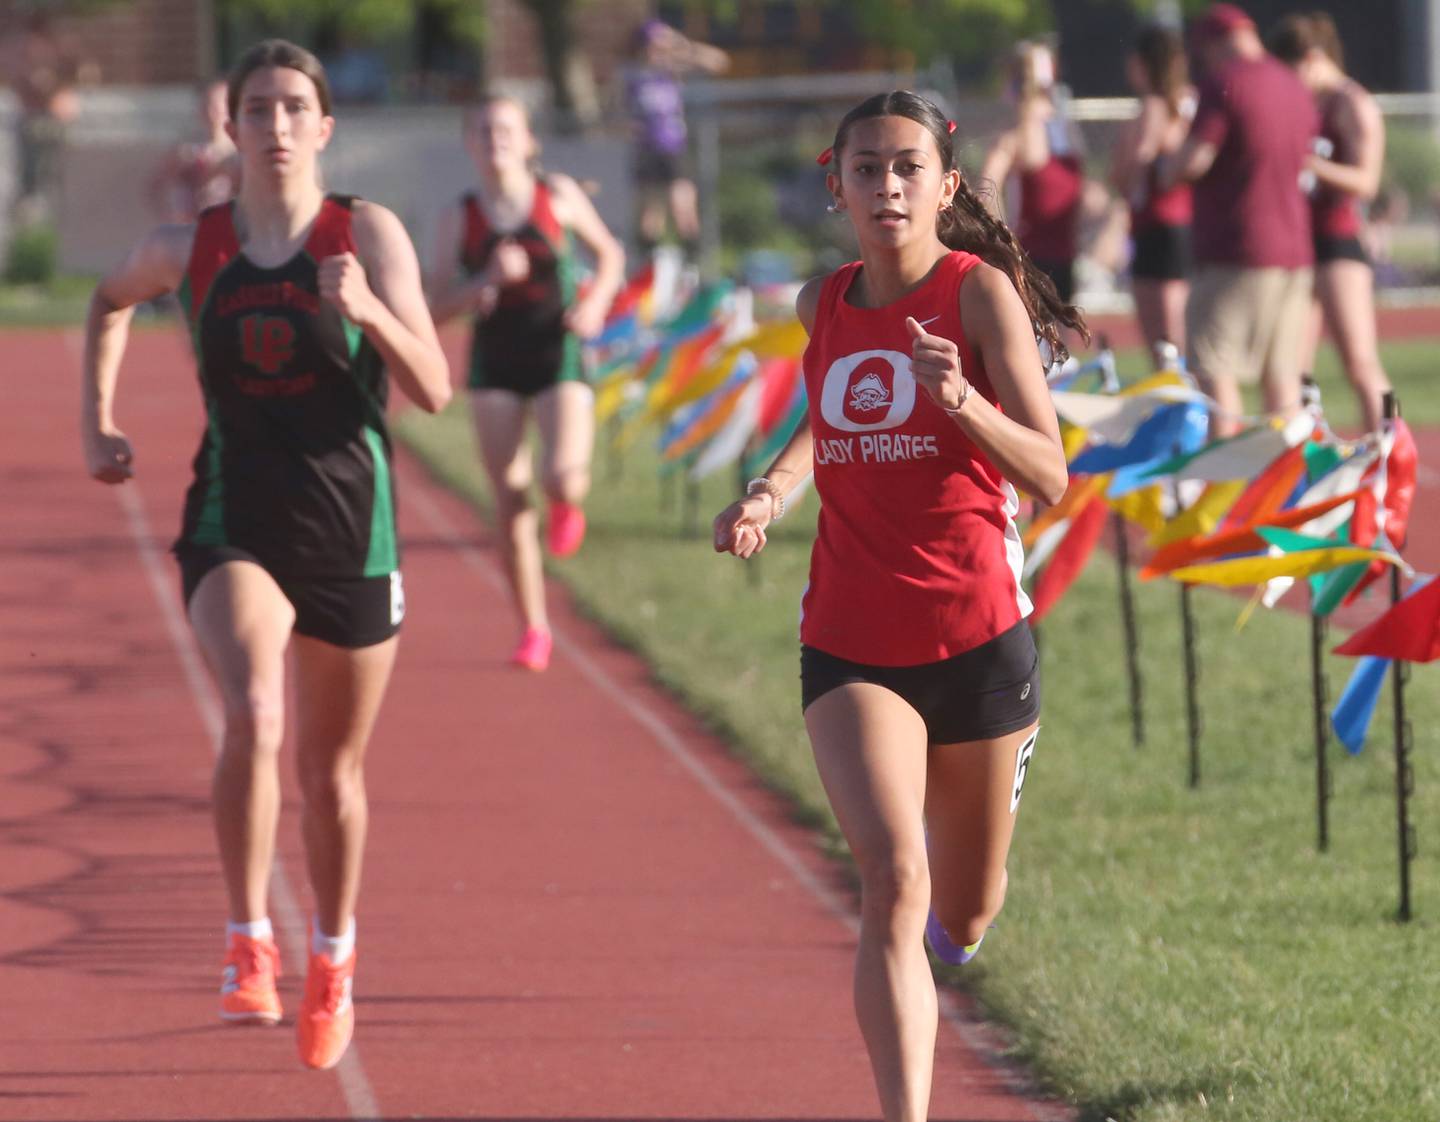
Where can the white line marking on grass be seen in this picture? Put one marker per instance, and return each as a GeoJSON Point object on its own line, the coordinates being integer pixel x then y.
{"type": "Point", "coordinates": [976, 1039]}
{"type": "Point", "coordinates": [354, 1084]}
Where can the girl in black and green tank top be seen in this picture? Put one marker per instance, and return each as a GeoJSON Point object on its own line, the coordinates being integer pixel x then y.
{"type": "Point", "coordinates": [506, 255]}
{"type": "Point", "coordinates": [302, 306]}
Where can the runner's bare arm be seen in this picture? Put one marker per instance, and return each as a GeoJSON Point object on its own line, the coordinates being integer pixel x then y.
{"type": "Point", "coordinates": [154, 267]}
{"type": "Point", "coordinates": [1023, 441]}
{"type": "Point", "coordinates": [1188, 164]}
{"type": "Point", "coordinates": [452, 294]}
{"type": "Point", "coordinates": [380, 292]}
{"type": "Point", "coordinates": [1363, 121]}
{"type": "Point", "coordinates": [587, 316]}
{"type": "Point", "coordinates": [995, 171]}
{"type": "Point", "coordinates": [740, 527]}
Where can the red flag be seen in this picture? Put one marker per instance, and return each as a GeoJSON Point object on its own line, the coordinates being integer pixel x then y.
{"type": "Point", "coordinates": [1069, 556]}
{"type": "Point", "coordinates": [1400, 469]}
{"type": "Point", "coordinates": [1410, 630]}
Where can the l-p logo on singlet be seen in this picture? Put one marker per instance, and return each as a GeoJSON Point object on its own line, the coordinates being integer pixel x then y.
{"type": "Point", "coordinates": [868, 390]}
{"type": "Point", "coordinates": [267, 342]}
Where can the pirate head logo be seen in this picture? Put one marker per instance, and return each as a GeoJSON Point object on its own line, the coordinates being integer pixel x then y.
{"type": "Point", "coordinates": [869, 393]}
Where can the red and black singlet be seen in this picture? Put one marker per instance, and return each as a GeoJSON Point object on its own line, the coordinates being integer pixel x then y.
{"type": "Point", "coordinates": [294, 465]}
{"type": "Point", "coordinates": [523, 344]}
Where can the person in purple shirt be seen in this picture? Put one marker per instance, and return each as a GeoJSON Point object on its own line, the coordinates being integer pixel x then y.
{"type": "Point", "coordinates": [1247, 148]}
{"type": "Point", "coordinates": [656, 105]}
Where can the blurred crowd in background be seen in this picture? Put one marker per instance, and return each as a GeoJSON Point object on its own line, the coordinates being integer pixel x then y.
{"type": "Point", "coordinates": [692, 122]}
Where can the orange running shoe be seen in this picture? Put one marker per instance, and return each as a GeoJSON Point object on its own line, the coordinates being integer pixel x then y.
{"type": "Point", "coordinates": [327, 1016]}
{"type": "Point", "coordinates": [247, 982]}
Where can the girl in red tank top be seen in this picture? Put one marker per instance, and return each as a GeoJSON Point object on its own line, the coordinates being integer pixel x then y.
{"type": "Point", "coordinates": [1347, 169]}
{"type": "Point", "coordinates": [1041, 152]}
{"type": "Point", "coordinates": [1159, 218]}
{"type": "Point", "coordinates": [919, 679]}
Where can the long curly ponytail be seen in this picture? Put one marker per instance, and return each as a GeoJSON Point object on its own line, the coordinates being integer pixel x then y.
{"type": "Point", "coordinates": [968, 225]}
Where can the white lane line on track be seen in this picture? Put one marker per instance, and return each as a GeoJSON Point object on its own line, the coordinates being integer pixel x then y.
{"type": "Point", "coordinates": [674, 746]}
{"type": "Point", "coordinates": [354, 1084]}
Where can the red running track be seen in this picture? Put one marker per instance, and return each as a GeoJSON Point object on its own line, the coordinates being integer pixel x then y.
{"type": "Point", "coordinates": [576, 905]}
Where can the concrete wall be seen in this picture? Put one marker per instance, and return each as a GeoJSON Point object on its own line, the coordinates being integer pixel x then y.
{"type": "Point", "coordinates": [409, 159]}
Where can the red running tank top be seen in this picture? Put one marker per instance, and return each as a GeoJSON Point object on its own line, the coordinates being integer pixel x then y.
{"type": "Point", "coordinates": [1050, 209]}
{"type": "Point", "coordinates": [917, 557]}
{"type": "Point", "coordinates": [1174, 207]}
{"type": "Point", "coordinates": [1335, 214]}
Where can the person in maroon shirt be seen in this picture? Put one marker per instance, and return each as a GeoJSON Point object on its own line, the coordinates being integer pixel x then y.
{"type": "Point", "coordinates": [1347, 171]}
{"type": "Point", "coordinates": [1041, 151]}
{"type": "Point", "coordinates": [1249, 143]}
{"type": "Point", "coordinates": [1159, 220]}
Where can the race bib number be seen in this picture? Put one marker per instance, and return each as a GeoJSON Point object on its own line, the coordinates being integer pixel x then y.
{"type": "Point", "coordinates": [397, 599]}
{"type": "Point", "coordinates": [1022, 768]}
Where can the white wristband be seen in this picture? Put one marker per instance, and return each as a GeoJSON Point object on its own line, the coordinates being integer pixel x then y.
{"type": "Point", "coordinates": [777, 498]}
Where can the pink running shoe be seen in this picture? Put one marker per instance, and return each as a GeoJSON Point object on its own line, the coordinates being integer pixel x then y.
{"type": "Point", "coordinates": [533, 653]}
{"type": "Point", "coordinates": [565, 529]}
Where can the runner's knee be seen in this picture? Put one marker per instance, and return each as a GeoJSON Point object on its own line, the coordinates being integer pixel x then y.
{"type": "Point", "coordinates": [334, 788]}
{"type": "Point", "coordinates": [254, 727]}
{"type": "Point", "coordinates": [895, 884]}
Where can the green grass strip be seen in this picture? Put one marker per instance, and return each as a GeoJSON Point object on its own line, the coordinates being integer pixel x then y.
{"type": "Point", "coordinates": [1166, 955]}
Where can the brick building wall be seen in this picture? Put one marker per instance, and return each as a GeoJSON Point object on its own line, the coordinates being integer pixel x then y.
{"type": "Point", "coordinates": [134, 42]}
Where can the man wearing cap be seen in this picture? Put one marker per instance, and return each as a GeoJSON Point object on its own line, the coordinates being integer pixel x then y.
{"type": "Point", "coordinates": [1250, 299]}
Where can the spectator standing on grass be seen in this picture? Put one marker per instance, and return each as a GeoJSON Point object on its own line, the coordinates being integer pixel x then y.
{"type": "Point", "coordinates": [202, 170]}
{"type": "Point", "coordinates": [1041, 151]}
{"type": "Point", "coordinates": [1346, 166]}
{"type": "Point", "coordinates": [1159, 220]}
{"type": "Point", "coordinates": [655, 103]}
{"type": "Point", "coordinates": [1247, 148]}
{"type": "Point", "coordinates": [43, 71]}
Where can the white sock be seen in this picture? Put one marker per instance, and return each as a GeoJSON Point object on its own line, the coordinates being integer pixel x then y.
{"type": "Point", "coordinates": [337, 948]}
{"type": "Point", "coordinates": [255, 929]}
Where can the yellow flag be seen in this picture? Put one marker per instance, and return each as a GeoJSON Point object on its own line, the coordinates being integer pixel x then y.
{"type": "Point", "coordinates": [1203, 516]}
{"type": "Point", "coordinates": [1257, 570]}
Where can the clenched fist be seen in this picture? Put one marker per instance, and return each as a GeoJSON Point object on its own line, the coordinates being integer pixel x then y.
{"type": "Point", "coordinates": [108, 456]}
{"type": "Point", "coordinates": [342, 283]}
{"type": "Point", "coordinates": [509, 263]}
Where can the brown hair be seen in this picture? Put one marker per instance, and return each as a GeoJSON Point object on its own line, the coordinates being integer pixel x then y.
{"type": "Point", "coordinates": [1161, 54]}
{"type": "Point", "coordinates": [969, 226]}
{"type": "Point", "coordinates": [276, 52]}
{"type": "Point", "coordinates": [1296, 36]}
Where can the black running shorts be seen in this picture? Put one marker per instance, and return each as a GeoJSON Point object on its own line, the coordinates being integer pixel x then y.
{"type": "Point", "coordinates": [351, 613]}
{"type": "Point", "coordinates": [980, 694]}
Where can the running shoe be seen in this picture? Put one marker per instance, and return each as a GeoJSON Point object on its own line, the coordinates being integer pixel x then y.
{"type": "Point", "coordinates": [564, 529]}
{"type": "Point", "coordinates": [327, 1016]}
{"type": "Point", "coordinates": [533, 653]}
{"type": "Point", "coordinates": [247, 981]}
{"type": "Point", "coordinates": [946, 951]}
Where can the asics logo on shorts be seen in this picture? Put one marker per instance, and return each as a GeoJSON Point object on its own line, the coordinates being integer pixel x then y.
{"type": "Point", "coordinates": [1025, 692]}
{"type": "Point", "coordinates": [868, 390]}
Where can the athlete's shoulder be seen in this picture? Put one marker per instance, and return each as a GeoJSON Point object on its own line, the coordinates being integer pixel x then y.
{"type": "Point", "coordinates": [807, 300]}
{"type": "Point", "coordinates": [984, 289]}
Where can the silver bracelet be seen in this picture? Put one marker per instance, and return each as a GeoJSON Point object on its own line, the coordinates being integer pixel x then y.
{"type": "Point", "coordinates": [777, 497]}
{"type": "Point", "coordinates": [964, 397]}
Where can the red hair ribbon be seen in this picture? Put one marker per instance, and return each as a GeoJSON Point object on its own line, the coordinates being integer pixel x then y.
{"type": "Point", "coordinates": [949, 126]}
{"type": "Point", "coordinates": [825, 157]}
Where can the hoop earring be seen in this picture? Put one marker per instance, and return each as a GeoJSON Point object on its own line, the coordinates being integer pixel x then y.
{"type": "Point", "coordinates": [834, 208]}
